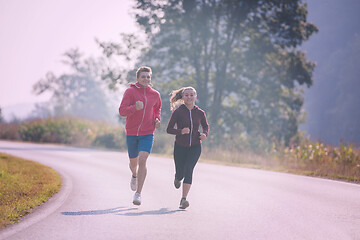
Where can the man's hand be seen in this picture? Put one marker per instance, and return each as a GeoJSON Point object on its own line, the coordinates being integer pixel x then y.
{"type": "Point", "coordinates": [157, 123]}
{"type": "Point", "coordinates": [139, 105]}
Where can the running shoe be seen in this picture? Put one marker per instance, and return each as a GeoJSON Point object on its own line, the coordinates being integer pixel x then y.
{"type": "Point", "coordinates": [133, 183]}
{"type": "Point", "coordinates": [184, 203]}
{"type": "Point", "coordinates": [177, 183]}
{"type": "Point", "coordinates": [137, 199]}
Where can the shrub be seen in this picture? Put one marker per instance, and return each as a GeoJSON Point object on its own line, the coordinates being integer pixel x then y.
{"type": "Point", "coordinates": [110, 140]}
{"type": "Point", "coordinates": [163, 143]}
{"type": "Point", "coordinates": [9, 131]}
{"type": "Point", "coordinates": [324, 160]}
{"type": "Point", "coordinates": [77, 132]}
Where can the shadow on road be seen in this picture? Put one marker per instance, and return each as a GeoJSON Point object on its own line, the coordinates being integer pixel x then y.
{"type": "Point", "coordinates": [161, 211]}
{"type": "Point", "coordinates": [121, 211]}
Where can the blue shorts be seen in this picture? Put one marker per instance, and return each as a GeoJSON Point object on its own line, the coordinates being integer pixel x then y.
{"type": "Point", "coordinates": [135, 144]}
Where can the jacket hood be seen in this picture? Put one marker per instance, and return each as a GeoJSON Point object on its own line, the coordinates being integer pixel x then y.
{"type": "Point", "coordinates": [184, 107]}
{"type": "Point", "coordinates": [137, 85]}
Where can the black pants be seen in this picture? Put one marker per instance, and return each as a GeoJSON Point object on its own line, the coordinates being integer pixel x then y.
{"type": "Point", "coordinates": [185, 160]}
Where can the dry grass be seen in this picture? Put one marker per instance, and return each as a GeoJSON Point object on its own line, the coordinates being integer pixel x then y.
{"type": "Point", "coordinates": [313, 159]}
{"type": "Point", "coordinates": [23, 186]}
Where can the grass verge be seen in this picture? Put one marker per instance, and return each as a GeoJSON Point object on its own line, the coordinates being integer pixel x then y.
{"type": "Point", "coordinates": [24, 185]}
{"type": "Point", "coordinates": [336, 163]}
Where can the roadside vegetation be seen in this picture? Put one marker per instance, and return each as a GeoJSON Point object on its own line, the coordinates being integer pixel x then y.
{"type": "Point", "coordinates": [71, 131]}
{"type": "Point", "coordinates": [24, 185]}
{"type": "Point", "coordinates": [308, 158]}
{"type": "Point", "coordinates": [300, 157]}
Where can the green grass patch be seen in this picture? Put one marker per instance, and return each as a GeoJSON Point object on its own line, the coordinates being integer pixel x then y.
{"type": "Point", "coordinates": [24, 185]}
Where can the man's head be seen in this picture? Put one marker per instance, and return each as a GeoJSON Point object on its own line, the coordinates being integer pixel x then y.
{"type": "Point", "coordinates": [143, 76]}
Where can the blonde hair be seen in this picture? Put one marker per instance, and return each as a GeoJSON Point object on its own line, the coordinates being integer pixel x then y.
{"type": "Point", "coordinates": [176, 96]}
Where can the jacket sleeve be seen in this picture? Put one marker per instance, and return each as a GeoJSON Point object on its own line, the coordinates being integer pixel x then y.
{"type": "Point", "coordinates": [126, 109]}
{"type": "Point", "coordinates": [205, 125]}
{"type": "Point", "coordinates": [157, 109]}
{"type": "Point", "coordinates": [171, 125]}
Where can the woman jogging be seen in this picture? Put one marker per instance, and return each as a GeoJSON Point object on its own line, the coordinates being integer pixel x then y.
{"type": "Point", "coordinates": [187, 148]}
{"type": "Point", "coordinates": [141, 105]}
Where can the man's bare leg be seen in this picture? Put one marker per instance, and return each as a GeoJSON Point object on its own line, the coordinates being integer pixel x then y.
{"type": "Point", "coordinates": [134, 165]}
{"type": "Point", "coordinates": [142, 170]}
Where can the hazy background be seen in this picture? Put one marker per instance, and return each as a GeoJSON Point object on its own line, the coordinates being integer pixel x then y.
{"type": "Point", "coordinates": [34, 35]}
{"type": "Point", "coordinates": [333, 101]}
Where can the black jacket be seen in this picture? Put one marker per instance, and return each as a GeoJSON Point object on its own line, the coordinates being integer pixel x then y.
{"type": "Point", "coordinates": [183, 118]}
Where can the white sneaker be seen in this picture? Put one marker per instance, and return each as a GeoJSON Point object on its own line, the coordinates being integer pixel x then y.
{"type": "Point", "coordinates": [137, 199]}
{"type": "Point", "coordinates": [133, 183]}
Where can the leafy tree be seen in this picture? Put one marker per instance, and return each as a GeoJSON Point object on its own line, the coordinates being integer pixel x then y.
{"type": "Point", "coordinates": [241, 55]}
{"type": "Point", "coordinates": [79, 93]}
{"type": "Point", "coordinates": [125, 52]}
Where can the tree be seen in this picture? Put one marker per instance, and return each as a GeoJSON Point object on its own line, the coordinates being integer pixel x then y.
{"type": "Point", "coordinates": [126, 52]}
{"type": "Point", "coordinates": [241, 55]}
{"type": "Point", "coordinates": [79, 93]}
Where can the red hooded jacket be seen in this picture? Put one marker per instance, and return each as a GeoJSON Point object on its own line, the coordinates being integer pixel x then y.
{"type": "Point", "coordinates": [140, 122]}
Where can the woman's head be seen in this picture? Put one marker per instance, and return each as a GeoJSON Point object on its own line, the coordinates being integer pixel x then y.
{"type": "Point", "coordinates": [185, 95]}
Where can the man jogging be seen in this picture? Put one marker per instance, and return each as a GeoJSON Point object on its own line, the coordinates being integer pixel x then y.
{"type": "Point", "coordinates": [141, 105]}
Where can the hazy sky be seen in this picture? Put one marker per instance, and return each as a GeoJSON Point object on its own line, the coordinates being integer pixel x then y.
{"type": "Point", "coordinates": [34, 35]}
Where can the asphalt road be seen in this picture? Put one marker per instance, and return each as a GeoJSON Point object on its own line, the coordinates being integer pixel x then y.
{"type": "Point", "coordinates": [226, 202]}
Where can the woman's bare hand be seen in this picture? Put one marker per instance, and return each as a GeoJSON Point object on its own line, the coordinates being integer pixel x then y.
{"type": "Point", "coordinates": [185, 131]}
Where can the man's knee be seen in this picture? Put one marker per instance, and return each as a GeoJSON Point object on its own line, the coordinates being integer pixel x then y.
{"type": "Point", "coordinates": [143, 156]}
{"type": "Point", "coordinates": [133, 161]}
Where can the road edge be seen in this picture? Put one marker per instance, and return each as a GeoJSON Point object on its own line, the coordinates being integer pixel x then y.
{"type": "Point", "coordinates": [41, 212]}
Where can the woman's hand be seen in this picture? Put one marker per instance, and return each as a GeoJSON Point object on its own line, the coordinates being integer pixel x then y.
{"type": "Point", "coordinates": [202, 137]}
{"type": "Point", "coordinates": [185, 131]}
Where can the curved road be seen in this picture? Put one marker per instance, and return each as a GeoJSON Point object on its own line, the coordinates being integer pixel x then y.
{"type": "Point", "coordinates": [225, 202]}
